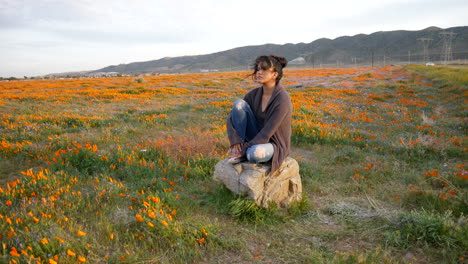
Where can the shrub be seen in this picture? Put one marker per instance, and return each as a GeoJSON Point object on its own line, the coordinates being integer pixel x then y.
{"type": "Point", "coordinates": [139, 80]}
{"type": "Point", "coordinates": [428, 229]}
{"type": "Point", "coordinates": [244, 209]}
{"type": "Point", "coordinates": [300, 207]}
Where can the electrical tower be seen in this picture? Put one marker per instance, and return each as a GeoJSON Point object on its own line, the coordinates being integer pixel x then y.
{"type": "Point", "coordinates": [425, 42]}
{"type": "Point", "coordinates": [447, 37]}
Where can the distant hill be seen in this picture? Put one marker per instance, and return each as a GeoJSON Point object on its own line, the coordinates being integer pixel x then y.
{"type": "Point", "coordinates": [377, 48]}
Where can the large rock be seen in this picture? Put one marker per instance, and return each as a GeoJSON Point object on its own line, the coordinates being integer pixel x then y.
{"type": "Point", "coordinates": [282, 187]}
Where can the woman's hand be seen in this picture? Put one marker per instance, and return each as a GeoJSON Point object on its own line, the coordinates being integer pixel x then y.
{"type": "Point", "coordinates": [235, 150]}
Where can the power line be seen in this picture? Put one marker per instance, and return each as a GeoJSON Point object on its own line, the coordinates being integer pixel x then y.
{"type": "Point", "coordinates": [447, 37]}
{"type": "Point", "coordinates": [425, 42]}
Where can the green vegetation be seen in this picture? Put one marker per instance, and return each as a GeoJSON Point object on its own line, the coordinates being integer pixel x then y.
{"type": "Point", "coordinates": [443, 75]}
{"type": "Point", "coordinates": [121, 171]}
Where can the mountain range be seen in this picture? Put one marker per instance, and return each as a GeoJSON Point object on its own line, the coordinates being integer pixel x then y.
{"type": "Point", "coordinates": [383, 47]}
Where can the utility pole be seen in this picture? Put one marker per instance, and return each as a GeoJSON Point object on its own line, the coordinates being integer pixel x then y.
{"type": "Point", "coordinates": [409, 57]}
{"type": "Point", "coordinates": [447, 46]}
{"type": "Point", "coordinates": [425, 42]}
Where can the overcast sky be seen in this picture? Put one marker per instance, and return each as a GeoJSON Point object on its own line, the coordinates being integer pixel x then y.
{"type": "Point", "coordinates": [49, 36]}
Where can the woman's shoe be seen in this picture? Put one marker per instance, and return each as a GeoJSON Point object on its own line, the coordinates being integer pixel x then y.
{"type": "Point", "coordinates": [235, 160]}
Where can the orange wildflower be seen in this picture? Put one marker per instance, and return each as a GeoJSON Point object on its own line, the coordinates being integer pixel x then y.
{"type": "Point", "coordinates": [14, 252]}
{"type": "Point", "coordinates": [151, 214]}
{"type": "Point", "coordinates": [139, 218]}
{"type": "Point", "coordinates": [81, 233]}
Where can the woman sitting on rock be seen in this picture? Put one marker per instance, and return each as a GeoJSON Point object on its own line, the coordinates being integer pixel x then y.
{"type": "Point", "coordinates": [259, 126]}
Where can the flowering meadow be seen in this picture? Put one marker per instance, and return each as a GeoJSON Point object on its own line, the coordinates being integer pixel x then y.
{"type": "Point", "coordinates": [118, 170]}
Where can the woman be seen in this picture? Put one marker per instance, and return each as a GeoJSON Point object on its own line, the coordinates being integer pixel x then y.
{"type": "Point", "coordinates": [259, 126]}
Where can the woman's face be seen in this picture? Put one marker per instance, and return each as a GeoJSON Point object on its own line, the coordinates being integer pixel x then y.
{"type": "Point", "coordinates": [265, 76]}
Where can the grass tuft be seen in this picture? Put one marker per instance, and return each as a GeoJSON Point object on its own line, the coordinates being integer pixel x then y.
{"type": "Point", "coordinates": [429, 229]}
{"type": "Point", "coordinates": [246, 210]}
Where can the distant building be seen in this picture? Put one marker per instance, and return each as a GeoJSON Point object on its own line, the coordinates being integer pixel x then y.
{"type": "Point", "coordinates": [209, 70]}
{"type": "Point", "coordinates": [297, 61]}
{"type": "Point", "coordinates": [104, 74]}
{"type": "Point", "coordinates": [111, 74]}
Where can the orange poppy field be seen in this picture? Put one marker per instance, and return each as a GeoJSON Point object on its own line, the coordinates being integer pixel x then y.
{"type": "Point", "coordinates": [119, 170]}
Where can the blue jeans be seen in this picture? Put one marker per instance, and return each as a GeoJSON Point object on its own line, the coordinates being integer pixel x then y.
{"type": "Point", "coordinates": [244, 122]}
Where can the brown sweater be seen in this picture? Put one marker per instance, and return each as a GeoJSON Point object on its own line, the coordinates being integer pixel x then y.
{"type": "Point", "coordinates": [275, 124]}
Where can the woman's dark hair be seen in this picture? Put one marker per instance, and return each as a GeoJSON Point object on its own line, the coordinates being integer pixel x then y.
{"type": "Point", "coordinates": [265, 62]}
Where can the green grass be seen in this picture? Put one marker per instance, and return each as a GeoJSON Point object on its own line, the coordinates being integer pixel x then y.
{"type": "Point", "coordinates": [383, 178]}
{"type": "Point", "coordinates": [444, 76]}
{"type": "Point", "coordinates": [421, 228]}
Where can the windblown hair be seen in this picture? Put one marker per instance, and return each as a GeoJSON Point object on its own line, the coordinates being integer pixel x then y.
{"type": "Point", "coordinates": [265, 62]}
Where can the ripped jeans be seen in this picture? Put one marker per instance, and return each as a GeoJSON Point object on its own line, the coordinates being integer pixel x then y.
{"type": "Point", "coordinates": [244, 122]}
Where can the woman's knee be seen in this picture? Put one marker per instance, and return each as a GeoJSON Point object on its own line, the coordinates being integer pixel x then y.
{"type": "Point", "coordinates": [260, 153]}
{"type": "Point", "coordinates": [240, 105]}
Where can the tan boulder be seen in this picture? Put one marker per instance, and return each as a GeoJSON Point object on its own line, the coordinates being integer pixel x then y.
{"type": "Point", "coordinates": [282, 187]}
